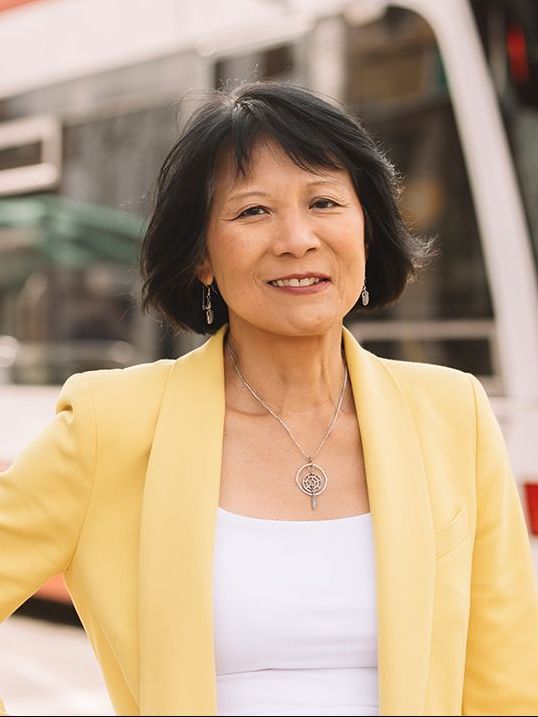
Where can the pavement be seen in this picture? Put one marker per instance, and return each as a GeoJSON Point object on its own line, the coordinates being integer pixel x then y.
{"type": "Point", "coordinates": [49, 669]}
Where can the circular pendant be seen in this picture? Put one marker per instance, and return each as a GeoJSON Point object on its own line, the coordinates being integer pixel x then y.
{"type": "Point", "coordinates": [311, 479]}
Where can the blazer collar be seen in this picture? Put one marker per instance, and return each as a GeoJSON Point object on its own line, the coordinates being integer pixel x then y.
{"type": "Point", "coordinates": [177, 669]}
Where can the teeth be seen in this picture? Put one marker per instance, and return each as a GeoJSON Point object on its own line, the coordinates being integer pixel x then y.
{"type": "Point", "coordinates": [296, 282]}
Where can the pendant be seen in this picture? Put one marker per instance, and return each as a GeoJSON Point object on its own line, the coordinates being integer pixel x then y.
{"type": "Point", "coordinates": [312, 480]}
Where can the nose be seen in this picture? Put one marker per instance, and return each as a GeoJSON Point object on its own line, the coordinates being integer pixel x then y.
{"type": "Point", "coordinates": [295, 236]}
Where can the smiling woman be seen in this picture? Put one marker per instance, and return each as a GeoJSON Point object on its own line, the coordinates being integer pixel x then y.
{"type": "Point", "coordinates": [280, 522]}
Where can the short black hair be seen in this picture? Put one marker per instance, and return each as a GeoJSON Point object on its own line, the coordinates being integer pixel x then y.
{"type": "Point", "coordinates": [316, 134]}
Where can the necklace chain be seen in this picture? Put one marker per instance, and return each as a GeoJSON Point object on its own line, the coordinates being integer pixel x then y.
{"type": "Point", "coordinates": [309, 458]}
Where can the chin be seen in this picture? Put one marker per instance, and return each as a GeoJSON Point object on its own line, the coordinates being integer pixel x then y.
{"type": "Point", "coordinates": [314, 326]}
{"type": "Point", "coordinates": [298, 324]}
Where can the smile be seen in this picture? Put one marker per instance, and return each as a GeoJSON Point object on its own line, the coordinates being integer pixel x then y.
{"type": "Point", "coordinates": [305, 285]}
{"type": "Point", "coordinates": [308, 281]}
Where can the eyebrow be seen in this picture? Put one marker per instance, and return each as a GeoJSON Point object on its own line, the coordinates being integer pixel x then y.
{"type": "Point", "coordinates": [261, 193]}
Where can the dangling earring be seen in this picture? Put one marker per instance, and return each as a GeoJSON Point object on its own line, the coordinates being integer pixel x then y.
{"type": "Point", "coordinates": [206, 304]}
{"type": "Point", "coordinates": [365, 296]}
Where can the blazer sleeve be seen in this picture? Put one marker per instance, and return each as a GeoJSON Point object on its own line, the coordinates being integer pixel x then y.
{"type": "Point", "coordinates": [44, 496]}
{"type": "Point", "coordinates": [501, 670]}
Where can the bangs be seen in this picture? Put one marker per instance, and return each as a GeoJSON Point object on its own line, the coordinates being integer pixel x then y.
{"type": "Point", "coordinates": [254, 122]}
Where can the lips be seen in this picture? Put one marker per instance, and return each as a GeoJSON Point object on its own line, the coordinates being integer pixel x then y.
{"type": "Point", "coordinates": [298, 280]}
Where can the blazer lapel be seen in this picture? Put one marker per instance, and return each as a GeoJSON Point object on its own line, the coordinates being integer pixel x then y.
{"type": "Point", "coordinates": [177, 668]}
{"type": "Point", "coordinates": [403, 531]}
{"type": "Point", "coordinates": [177, 672]}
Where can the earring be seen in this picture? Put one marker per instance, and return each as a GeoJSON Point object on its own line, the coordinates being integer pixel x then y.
{"type": "Point", "coordinates": [365, 296]}
{"type": "Point", "coordinates": [206, 304]}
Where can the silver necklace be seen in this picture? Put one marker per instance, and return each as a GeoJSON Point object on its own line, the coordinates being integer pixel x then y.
{"type": "Point", "coordinates": [310, 478]}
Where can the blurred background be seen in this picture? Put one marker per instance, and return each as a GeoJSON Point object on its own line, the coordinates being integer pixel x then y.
{"type": "Point", "coordinates": [92, 93]}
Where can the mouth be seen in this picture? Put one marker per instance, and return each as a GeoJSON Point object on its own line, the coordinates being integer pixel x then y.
{"type": "Point", "coordinates": [300, 280]}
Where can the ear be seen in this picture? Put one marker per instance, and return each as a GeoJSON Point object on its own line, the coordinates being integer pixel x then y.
{"type": "Point", "coordinates": [366, 248]}
{"type": "Point", "coordinates": [205, 272]}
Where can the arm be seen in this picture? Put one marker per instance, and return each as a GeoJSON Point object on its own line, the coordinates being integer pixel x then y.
{"type": "Point", "coordinates": [501, 670]}
{"type": "Point", "coordinates": [44, 495]}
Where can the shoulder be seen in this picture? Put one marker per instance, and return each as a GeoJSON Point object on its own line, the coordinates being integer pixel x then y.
{"type": "Point", "coordinates": [137, 385]}
{"type": "Point", "coordinates": [143, 385]}
{"type": "Point", "coordinates": [119, 407]}
{"type": "Point", "coordinates": [445, 395]}
{"type": "Point", "coordinates": [419, 372]}
{"type": "Point", "coordinates": [427, 382]}
{"type": "Point", "coordinates": [138, 376]}
{"type": "Point", "coordinates": [448, 406]}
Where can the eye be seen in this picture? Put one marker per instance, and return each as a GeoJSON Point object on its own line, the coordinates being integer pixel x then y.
{"type": "Point", "coordinates": [324, 203]}
{"type": "Point", "coordinates": [255, 211]}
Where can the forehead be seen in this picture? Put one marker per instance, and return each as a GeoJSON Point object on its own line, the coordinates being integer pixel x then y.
{"type": "Point", "coordinates": [265, 159]}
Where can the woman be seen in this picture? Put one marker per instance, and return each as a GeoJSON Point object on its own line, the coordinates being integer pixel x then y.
{"type": "Point", "coordinates": [280, 522]}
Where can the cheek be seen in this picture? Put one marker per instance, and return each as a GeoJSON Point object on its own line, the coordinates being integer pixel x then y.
{"type": "Point", "coordinates": [352, 247]}
{"type": "Point", "coordinates": [234, 267]}
{"type": "Point", "coordinates": [353, 262]}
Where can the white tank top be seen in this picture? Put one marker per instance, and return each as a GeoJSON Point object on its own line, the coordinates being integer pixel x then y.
{"type": "Point", "coordinates": [295, 623]}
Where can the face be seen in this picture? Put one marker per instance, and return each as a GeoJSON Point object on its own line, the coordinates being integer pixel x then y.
{"type": "Point", "coordinates": [284, 245]}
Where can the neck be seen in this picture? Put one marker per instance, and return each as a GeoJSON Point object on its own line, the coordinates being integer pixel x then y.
{"type": "Point", "coordinates": [293, 375]}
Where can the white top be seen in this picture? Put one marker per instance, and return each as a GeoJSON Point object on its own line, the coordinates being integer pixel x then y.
{"type": "Point", "coordinates": [295, 622]}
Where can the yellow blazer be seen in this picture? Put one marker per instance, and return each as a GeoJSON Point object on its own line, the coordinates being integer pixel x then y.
{"type": "Point", "coordinates": [120, 493]}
